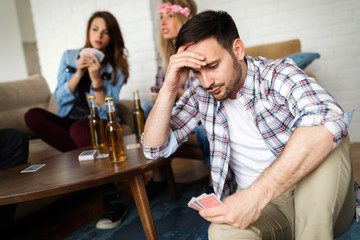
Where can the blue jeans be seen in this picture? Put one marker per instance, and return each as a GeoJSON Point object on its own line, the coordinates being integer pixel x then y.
{"type": "Point", "coordinates": [204, 144]}
{"type": "Point", "coordinates": [147, 106]}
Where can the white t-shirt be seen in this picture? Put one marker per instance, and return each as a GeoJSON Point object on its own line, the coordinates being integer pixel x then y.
{"type": "Point", "coordinates": [249, 154]}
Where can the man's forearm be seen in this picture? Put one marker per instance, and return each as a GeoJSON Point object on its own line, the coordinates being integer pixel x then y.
{"type": "Point", "coordinates": [306, 149]}
{"type": "Point", "coordinates": [156, 130]}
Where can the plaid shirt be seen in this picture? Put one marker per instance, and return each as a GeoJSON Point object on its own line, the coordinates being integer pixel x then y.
{"type": "Point", "coordinates": [279, 97]}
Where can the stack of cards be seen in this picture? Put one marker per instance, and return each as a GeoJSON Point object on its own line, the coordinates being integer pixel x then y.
{"type": "Point", "coordinates": [91, 51]}
{"type": "Point", "coordinates": [204, 201]}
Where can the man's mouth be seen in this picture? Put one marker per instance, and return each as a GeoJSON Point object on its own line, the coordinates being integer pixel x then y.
{"type": "Point", "coordinates": [214, 89]}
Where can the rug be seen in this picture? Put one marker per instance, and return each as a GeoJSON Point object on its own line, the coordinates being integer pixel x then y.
{"type": "Point", "coordinates": [173, 220]}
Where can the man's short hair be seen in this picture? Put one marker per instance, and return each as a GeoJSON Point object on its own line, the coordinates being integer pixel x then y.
{"type": "Point", "coordinates": [216, 24]}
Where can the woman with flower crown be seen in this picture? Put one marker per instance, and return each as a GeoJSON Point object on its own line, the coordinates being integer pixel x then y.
{"type": "Point", "coordinates": [173, 14]}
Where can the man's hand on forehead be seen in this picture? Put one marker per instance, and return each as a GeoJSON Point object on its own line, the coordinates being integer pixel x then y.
{"type": "Point", "coordinates": [191, 59]}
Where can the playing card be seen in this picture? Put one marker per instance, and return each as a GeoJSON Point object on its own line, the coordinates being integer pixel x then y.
{"type": "Point", "coordinates": [204, 201]}
{"type": "Point", "coordinates": [132, 146]}
{"type": "Point", "coordinates": [90, 51]}
{"type": "Point", "coordinates": [32, 168]}
{"type": "Point", "coordinates": [87, 155]}
{"type": "Point", "coordinates": [209, 201]}
{"type": "Point", "coordinates": [194, 206]}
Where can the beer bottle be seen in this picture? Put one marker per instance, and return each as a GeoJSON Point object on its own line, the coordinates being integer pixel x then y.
{"type": "Point", "coordinates": [96, 128]}
{"type": "Point", "coordinates": [138, 115]}
{"type": "Point", "coordinates": [113, 133]}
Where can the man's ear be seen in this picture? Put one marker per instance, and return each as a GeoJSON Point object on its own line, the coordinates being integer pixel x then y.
{"type": "Point", "coordinates": [239, 49]}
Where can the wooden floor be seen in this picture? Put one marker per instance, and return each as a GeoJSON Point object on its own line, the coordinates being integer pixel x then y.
{"type": "Point", "coordinates": [81, 209]}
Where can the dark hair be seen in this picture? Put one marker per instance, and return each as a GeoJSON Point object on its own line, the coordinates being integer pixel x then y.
{"type": "Point", "coordinates": [216, 24]}
{"type": "Point", "coordinates": [115, 52]}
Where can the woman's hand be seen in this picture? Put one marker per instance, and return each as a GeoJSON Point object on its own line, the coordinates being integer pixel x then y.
{"type": "Point", "coordinates": [82, 64]}
{"type": "Point", "coordinates": [94, 72]}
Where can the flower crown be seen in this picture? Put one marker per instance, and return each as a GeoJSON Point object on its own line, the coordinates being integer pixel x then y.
{"type": "Point", "coordinates": [166, 7]}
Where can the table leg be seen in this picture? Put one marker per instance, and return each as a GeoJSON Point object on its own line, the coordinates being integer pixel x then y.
{"type": "Point", "coordinates": [171, 180]}
{"type": "Point", "coordinates": [142, 204]}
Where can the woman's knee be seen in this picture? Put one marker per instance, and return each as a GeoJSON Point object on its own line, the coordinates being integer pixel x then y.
{"type": "Point", "coordinates": [80, 133]}
{"type": "Point", "coordinates": [34, 117]}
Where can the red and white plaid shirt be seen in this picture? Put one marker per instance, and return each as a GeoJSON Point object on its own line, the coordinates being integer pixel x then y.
{"type": "Point", "coordinates": [279, 97]}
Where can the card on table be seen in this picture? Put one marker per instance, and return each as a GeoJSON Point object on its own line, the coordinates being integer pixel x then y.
{"type": "Point", "coordinates": [87, 155]}
{"type": "Point", "coordinates": [32, 168]}
{"type": "Point", "coordinates": [204, 201]}
{"type": "Point", "coordinates": [132, 146]}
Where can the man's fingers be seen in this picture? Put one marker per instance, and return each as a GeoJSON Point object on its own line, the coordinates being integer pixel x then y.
{"type": "Point", "coordinates": [191, 60]}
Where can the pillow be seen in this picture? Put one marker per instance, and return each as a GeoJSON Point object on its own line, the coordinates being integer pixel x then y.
{"type": "Point", "coordinates": [304, 59]}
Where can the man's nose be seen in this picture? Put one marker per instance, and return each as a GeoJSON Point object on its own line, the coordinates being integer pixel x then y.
{"type": "Point", "coordinates": [207, 80]}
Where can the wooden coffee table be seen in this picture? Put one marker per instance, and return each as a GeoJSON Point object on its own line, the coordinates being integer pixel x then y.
{"type": "Point", "coordinates": [63, 173]}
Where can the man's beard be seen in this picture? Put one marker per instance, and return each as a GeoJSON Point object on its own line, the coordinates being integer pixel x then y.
{"type": "Point", "coordinates": [233, 83]}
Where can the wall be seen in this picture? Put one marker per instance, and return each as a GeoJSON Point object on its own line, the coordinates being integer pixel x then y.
{"type": "Point", "coordinates": [329, 27]}
{"type": "Point", "coordinates": [12, 62]}
{"type": "Point", "coordinates": [26, 24]}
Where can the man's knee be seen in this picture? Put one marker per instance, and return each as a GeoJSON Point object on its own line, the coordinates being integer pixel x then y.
{"type": "Point", "coordinates": [225, 231]}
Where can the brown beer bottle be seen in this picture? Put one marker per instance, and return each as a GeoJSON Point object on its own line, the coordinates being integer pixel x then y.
{"type": "Point", "coordinates": [138, 115]}
{"type": "Point", "coordinates": [114, 135]}
{"type": "Point", "coordinates": [96, 128]}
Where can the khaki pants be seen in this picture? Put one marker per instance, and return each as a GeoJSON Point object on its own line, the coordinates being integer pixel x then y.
{"type": "Point", "coordinates": [320, 206]}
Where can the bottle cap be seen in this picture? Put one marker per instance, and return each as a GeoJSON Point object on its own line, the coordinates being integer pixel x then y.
{"type": "Point", "coordinates": [136, 90]}
{"type": "Point", "coordinates": [91, 97]}
{"type": "Point", "coordinates": [109, 98]}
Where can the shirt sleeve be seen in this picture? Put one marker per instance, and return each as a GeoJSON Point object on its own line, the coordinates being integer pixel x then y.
{"type": "Point", "coordinates": [312, 105]}
{"type": "Point", "coordinates": [183, 122]}
{"type": "Point", "coordinates": [63, 94]}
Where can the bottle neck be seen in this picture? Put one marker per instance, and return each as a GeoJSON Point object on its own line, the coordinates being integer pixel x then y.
{"type": "Point", "coordinates": [93, 108]}
{"type": "Point", "coordinates": [137, 103]}
{"type": "Point", "coordinates": [110, 110]}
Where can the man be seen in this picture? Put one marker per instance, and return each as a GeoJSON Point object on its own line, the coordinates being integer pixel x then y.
{"type": "Point", "coordinates": [279, 152]}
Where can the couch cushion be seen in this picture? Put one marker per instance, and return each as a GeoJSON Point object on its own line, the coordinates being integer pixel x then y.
{"type": "Point", "coordinates": [304, 59]}
{"type": "Point", "coordinates": [17, 97]}
{"type": "Point", "coordinates": [275, 50]}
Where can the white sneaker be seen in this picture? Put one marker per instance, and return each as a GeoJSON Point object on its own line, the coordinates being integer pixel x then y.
{"type": "Point", "coordinates": [113, 216]}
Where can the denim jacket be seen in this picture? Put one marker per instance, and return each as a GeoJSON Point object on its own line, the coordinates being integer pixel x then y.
{"type": "Point", "coordinates": [66, 99]}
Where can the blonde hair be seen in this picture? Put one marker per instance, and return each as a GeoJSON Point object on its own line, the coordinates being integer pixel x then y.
{"type": "Point", "coordinates": [167, 47]}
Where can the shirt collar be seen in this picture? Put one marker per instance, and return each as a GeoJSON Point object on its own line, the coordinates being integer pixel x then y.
{"type": "Point", "coordinates": [248, 90]}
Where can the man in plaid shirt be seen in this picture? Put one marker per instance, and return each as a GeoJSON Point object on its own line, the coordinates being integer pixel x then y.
{"type": "Point", "coordinates": [278, 141]}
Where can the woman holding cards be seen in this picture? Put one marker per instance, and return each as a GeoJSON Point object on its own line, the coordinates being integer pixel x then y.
{"type": "Point", "coordinates": [99, 69]}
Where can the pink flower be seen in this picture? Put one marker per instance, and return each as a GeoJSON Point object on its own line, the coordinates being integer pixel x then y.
{"type": "Point", "coordinates": [166, 7]}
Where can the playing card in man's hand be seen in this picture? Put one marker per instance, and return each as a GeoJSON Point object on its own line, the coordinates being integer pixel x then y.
{"type": "Point", "coordinates": [204, 201]}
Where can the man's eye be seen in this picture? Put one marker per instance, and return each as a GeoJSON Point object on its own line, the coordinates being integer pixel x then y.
{"type": "Point", "coordinates": [213, 66]}
{"type": "Point", "coordinates": [196, 72]}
